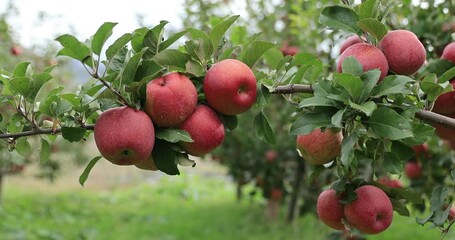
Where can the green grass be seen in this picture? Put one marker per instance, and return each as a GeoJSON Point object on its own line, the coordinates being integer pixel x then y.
{"type": "Point", "coordinates": [185, 207]}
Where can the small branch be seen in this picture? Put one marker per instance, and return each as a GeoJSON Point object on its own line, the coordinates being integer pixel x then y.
{"type": "Point", "coordinates": [120, 96]}
{"type": "Point", "coordinates": [39, 131]}
{"type": "Point", "coordinates": [425, 115]}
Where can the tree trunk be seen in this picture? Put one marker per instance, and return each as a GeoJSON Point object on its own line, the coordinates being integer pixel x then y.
{"type": "Point", "coordinates": [239, 191]}
{"type": "Point", "coordinates": [298, 180]}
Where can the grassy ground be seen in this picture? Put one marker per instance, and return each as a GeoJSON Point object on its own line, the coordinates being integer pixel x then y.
{"type": "Point", "coordinates": [151, 206]}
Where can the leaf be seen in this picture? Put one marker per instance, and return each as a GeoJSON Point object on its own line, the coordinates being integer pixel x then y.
{"type": "Point", "coordinates": [347, 149]}
{"type": "Point", "coordinates": [439, 66]}
{"type": "Point", "coordinates": [272, 58]}
{"type": "Point", "coordinates": [432, 89]}
{"type": "Point", "coordinates": [73, 48]}
{"type": "Point", "coordinates": [400, 207]}
{"type": "Point", "coordinates": [23, 147]}
{"type": "Point", "coordinates": [422, 133]}
{"type": "Point", "coordinates": [392, 163]}
{"type": "Point", "coordinates": [220, 29]}
{"type": "Point", "coordinates": [20, 70]}
{"type": "Point", "coordinates": [165, 158]}
{"type": "Point", "coordinates": [84, 176]}
{"type": "Point", "coordinates": [353, 85]}
{"type": "Point", "coordinates": [352, 66]}
{"type": "Point", "coordinates": [262, 129]}
{"type": "Point", "coordinates": [44, 151]}
{"type": "Point", "coordinates": [386, 123]}
{"type": "Point", "coordinates": [130, 69]}
{"type": "Point", "coordinates": [118, 44]}
{"type": "Point", "coordinates": [173, 135]}
{"type": "Point", "coordinates": [373, 27]}
{"type": "Point", "coordinates": [337, 118]}
{"type": "Point", "coordinates": [393, 84]}
{"type": "Point", "coordinates": [230, 122]}
{"type": "Point", "coordinates": [73, 134]}
{"type": "Point", "coordinates": [310, 121]}
{"type": "Point", "coordinates": [100, 37]}
{"type": "Point", "coordinates": [152, 40]}
{"type": "Point", "coordinates": [366, 107]}
{"type": "Point", "coordinates": [368, 9]}
{"type": "Point", "coordinates": [407, 194]}
{"type": "Point", "coordinates": [254, 51]}
{"type": "Point", "coordinates": [340, 17]}
{"type": "Point", "coordinates": [172, 39]}
{"type": "Point", "coordinates": [171, 58]}
{"type": "Point", "coordinates": [369, 79]}
{"type": "Point", "coordinates": [438, 197]}
{"type": "Point", "coordinates": [447, 75]}
{"type": "Point", "coordinates": [317, 101]}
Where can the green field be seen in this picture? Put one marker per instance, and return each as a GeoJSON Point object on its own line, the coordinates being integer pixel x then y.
{"type": "Point", "coordinates": [190, 206]}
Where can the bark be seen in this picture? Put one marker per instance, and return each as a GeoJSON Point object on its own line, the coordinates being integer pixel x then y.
{"type": "Point", "coordinates": [298, 180]}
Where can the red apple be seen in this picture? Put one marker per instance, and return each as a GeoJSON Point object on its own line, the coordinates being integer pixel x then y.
{"type": "Point", "coordinates": [330, 210]}
{"type": "Point", "coordinates": [349, 41]}
{"type": "Point", "coordinates": [371, 212]}
{"type": "Point", "coordinates": [368, 55]}
{"type": "Point", "coordinates": [271, 155]}
{"type": "Point", "coordinates": [124, 135]}
{"type": "Point", "coordinates": [451, 214]}
{"type": "Point", "coordinates": [320, 147]}
{"type": "Point", "coordinates": [404, 51]}
{"type": "Point", "coordinates": [16, 50]}
{"type": "Point", "coordinates": [230, 87]}
{"type": "Point", "coordinates": [449, 52]}
{"type": "Point", "coordinates": [147, 164]}
{"type": "Point", "coordinates": [392, 183]}
{"type": "Point", "coordinates": [170, 99]}
{"type": "Point", "coordinates": [413, 169]}
{"type": "Point", "coordinates": [206, 130]}
{"type": "Point", "coordinates": [445, 103]}
{"type": "Point", "coordinates": [421, 151]}
{"type": "Point", "coordinates": [289, 50]}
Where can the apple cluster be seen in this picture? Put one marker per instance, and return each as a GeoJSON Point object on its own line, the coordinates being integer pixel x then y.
{"type": "Point", "coordinates": [371, 212]}
{"type": "Point", "coordinates": [399, 51]}
{"type": "Point", "coordinates": [126, 136]}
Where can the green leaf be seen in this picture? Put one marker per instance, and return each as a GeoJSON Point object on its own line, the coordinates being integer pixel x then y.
{"type": "Point", "coordinates": [368, 9]}
{"type": "Point", "coordinates": [254, 51]}
{"type": "Point", "coordinates": [23, 147]}
{"type": "Point", "coordinates": [165, 158]}
{"type": "Point", "coordinates": [262, 129]}
{"type": "Point", "coordinates": [20, 70]}
{"type": "Point", "coordinates": [386, 123]}
{"type": "Point", "coordinates": [129, 72]}
{"type": "Point", "coordinates": [439, 66]}
{"type": "Point", "coordinates": [200, 49]}
{"type": "Point", "coordinates": [173, 135]}
{"type": "Point", "coordinates": [438, 197]}
{"type": "Point", "coordinates": [45, 151]}
{"type": "Point", "coordinates": [432, 89]}
{"type": "Point", "coordinates": [408, 194]}
{"type": "Point", "coordinates": [55, 106]}
{"type": "Point", "coordinates": [422, 133]}
{"type": "Point", "coordinates": [73, 48]}
{"type": "Point", "coordinates": [220, 29]}
{"type": "Point", "coordinates": [400, 207]}
{"type": "Point", "coordinates": [171, 58]}
{"type": "Point", "coordinates": [353, 85]}
{"type": "Point", "coordinates": [84, 176]}
{"type": "Point", "coordinates": [73, 134]}
{"type": "Point", "coordinates": [366, 107]}
{"type": "Point", "coordinates": [230, 122]}
{"type": "Point", "coordinates": [340, 17]}
{"type": "Point", "coordinates": [118, 44]}
{"type": "Point", "coordinates": [393, 84]}
{"type": "Point", "coordinates": [100, 37]}
{"type": "Point", "coordinates": [392, 163]}
{"type": "Point", "coordinates": [273, 57]}
{"type": "Point", "coordinates": [310, 121]}
{"type": "Point", "coordinates": [347, 149]}
{"type": "Point", "coordinates": [152, 40]}
{"type": "Point", "coordinates": [337, 118]}
{"type": "Point", "coordinates": [373, 27]}
{"type": "Point", "coordinates": [369, 79]}
{"type": "Point", "coordinates": [448, 75]}
{"type": "Point", "coordinates": [172, 39]}
{"type": "Point", "coordinates": [317, 101]}
{"type": "Point", "coordinates": [263, 96]}
{"type": "Point", "coordinates": [352, 66]}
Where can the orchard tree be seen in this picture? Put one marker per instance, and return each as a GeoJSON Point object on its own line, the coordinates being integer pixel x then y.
{"type": "Point", "coordinates": [366, 115]}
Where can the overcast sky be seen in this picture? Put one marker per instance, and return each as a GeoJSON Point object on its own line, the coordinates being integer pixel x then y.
{"type": "Point", "coordinates": [83, 17]}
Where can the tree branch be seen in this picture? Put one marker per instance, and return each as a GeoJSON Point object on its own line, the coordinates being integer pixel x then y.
{"type": "Point", "coordinates": [39, 131]}
{"type": "Point", "coordinates": [425, 115]}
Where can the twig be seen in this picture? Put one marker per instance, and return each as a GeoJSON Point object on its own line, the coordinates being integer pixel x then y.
{"type": "Point", "coordinates": [421, 114]}
{"type": "Point", "coordinates": [39, 131]}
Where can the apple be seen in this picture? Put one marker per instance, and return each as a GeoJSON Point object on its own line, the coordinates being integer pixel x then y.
{"type": "Point", "coordinates": [206, 130]}
{"type": "Point", "coordinates": [147, 164]}
{"type": "Point", "coordinates": [449, 52]}
{"type": "Point", "coordinates": [271, 155]}
{"type": "Point", "coordinates": [443, 132]}
{"type": "Point", "coordinates": [392, 183]}
{"type": "Point", "coordinates": [404, 51]}
{"type": "Point", "coordinates": [349, 41]}
{"type": "Point", "coordinates": [413, 169]}
{"type": "Point", "coordinates": [230, 87]}
{"type": "Point", "coordinates": [371, 212]}
{"type": "Point", "coordinates": [368, 55]}
{"type": "Point", "coordinates": [421, 151]}
{"type": "Point", "coordinates": [330, 210]}
{"type": "Point", "coordinates": [320, 147]}
{"type": "Point", "coordinates": [445, 103]}
{"type": "Point", "coordinates": [124, 135]}
{"type": "Point", "coordinates": [16, 50]}
{"type": "Point", "coordinates": [289, 50]}
{"type": "Point", "coordinates": [451, 214]}
{"type": "Point", "coordinates": [170, 99]}
{"type": "Point", "coordinates": [276, 194]}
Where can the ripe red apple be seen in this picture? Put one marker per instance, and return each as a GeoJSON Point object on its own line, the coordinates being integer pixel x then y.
{"type": "Point", "coordinates": [271, 155]}
{"type": "Point", "coordinates": [349, 41]}
{"type": "Point", "coordinates": [230, 87]}
{"type": "Point", "coordinates": [449, 52]}
{"type": "Point", "coordinates": [404, 51]}
{"type": "Point", "coordinates": [330, 210]}
{"type": "Point", "coordinates": [368, 55]}
{"type": "Point", "coordinates": [413, 169]}
{"type": "Point", "coordinates": [371, 212]}
{"type": "Point", "coordinates": [451, 214]}
{"type": "Point", "coordinates": [421, 151]}
{"type": "Point", "coordinates": [124, 135]}
{"type": "Point", "coordinates": [445, 103]}
{"type": "Point", "coordinates": [289, 50]}
{"type": "Point", "coordinates": [320, 147]}
{"type": "Point", "coordinates": [206, 130]}
{"type": "Point", "coordinates": [392, 183]}
{"type": "Point", "coordinates": [170, 99]}
{"type": "Point", "coordinates": [147, 164]}
{"type": "Point", "coordinates": [16, 50]}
